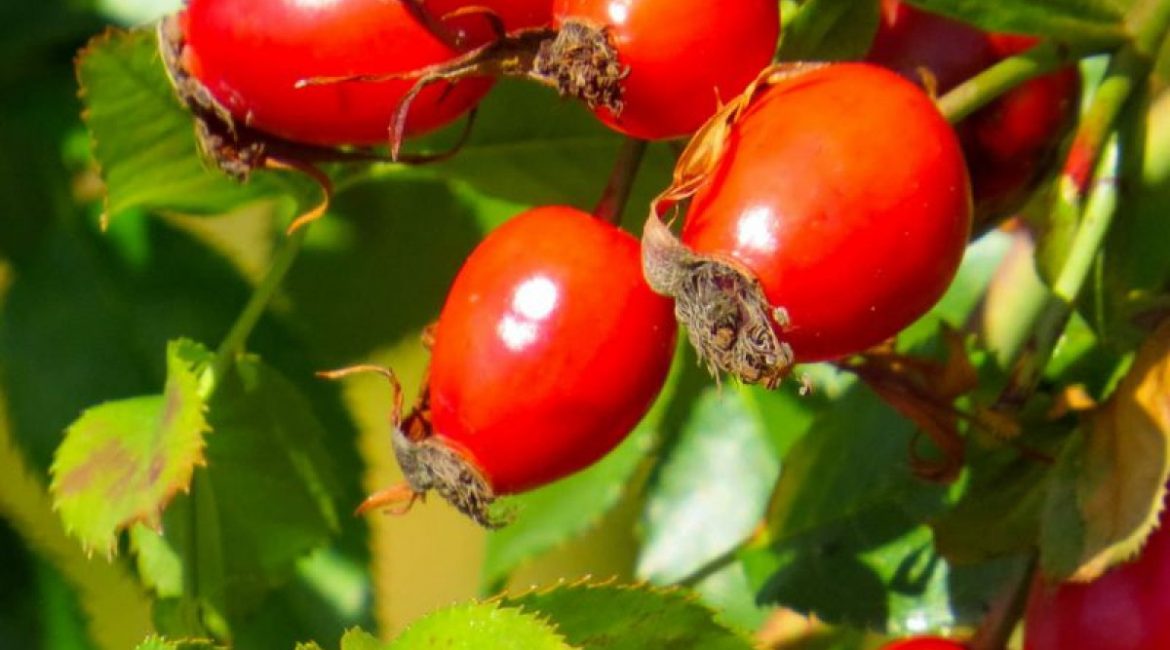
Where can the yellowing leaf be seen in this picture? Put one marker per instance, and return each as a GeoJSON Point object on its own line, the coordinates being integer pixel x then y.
{"type": "Point", "coordinates": [122, 462]}
{"type": "Point", "coordinates": [1127, 461]}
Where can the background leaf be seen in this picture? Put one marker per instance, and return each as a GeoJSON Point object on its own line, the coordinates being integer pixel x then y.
{"type": "Point", "coordinates": [162, 643]}
{"type": "Point", "coordinates": [847, 524]}
{"type": "Point", "coordinates": [829, 30]}
{"type": "Point", "coordinates": [530, 147]}
{"type": "Point", "coordinates": [711, 491]}
{"type": "Point", "coordinates": [1083, 22]}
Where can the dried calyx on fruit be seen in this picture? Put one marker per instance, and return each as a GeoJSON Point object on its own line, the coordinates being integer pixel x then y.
{"type": "Point", "coordinates": [650, 69]}
{"type": "Point", "coordinates": [545, 356]}
{"type": "Point", "coordinates": [246, 70]}
{"type": "Point", "coordinates": [829, 207]}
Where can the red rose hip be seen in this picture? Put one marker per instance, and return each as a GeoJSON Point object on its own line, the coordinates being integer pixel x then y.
{"type": "Point", "coordinates": [829, 210]}
{"type": "Point", "coordinates": [549, 350]}
{"type": "Point", "coordinates": [925, 643]}
{"type": "Point", "coordinates": [680, 58]}
{"type": "Point", "coordinates": [1128, 608]}
{"type": "Point", "coordinates": [251, 55]}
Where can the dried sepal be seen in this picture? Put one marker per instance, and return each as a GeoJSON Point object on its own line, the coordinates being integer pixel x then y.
{"type": "Point", "coordinates": [730, 322]}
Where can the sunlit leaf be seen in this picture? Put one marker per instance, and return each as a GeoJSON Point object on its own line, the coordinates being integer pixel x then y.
{"type": "Point", "coordinates": [144, 139]}
{"type": "Point", "coordinates": [122, 462]}
{"type": "Point", "coordinates": [485, 626]}
{"type": "Point", "coordinates": [1108, 488]}
{"type": "Point", "coordinates": [611, 617]}
{"type": "Point", "coordinates": [358, 639]}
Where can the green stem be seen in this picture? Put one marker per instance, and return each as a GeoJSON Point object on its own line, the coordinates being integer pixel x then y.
{"type": "Point", "coordinates": [1093, 154]}
{"type": "Point", "coordinates": [1040, 333]}
{"type": "Point", "coordinates": [973, 94]}
{"type": "Point", "coordinates": [233, 344]}
{"type": "Point", "coordinates": [1128, 70]}
{"type": "Point", "coordinates": [621, 180]}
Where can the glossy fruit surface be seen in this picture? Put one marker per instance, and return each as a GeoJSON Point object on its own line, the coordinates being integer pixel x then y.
{"type": "Point", "coordinates": [251, 54]}
{"type": "Point", "coordinates": [1008, 143]}
{"type": "Point", "coordinates": [924, 643]}
{"type": "Point", "coordinates": [549, 350]}
{"type": "Point", "coordinates": [1128, 608]}
{"type": "Point", "coordinates": [684, 56]}
{"type": "Point", "coordinates": [844, 192]}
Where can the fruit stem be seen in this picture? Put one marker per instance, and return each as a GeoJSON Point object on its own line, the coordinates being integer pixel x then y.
{"type": "Point", "coordinates": [233, 344]}
{"type": "Point", "coordinates": [974, 93]}
{"type": "Point", "coordinates": [996, 628]}
{"type": "Point", "coordinates": [621, 180]}
{"type": "Point", "coordinates": [1041, 330]}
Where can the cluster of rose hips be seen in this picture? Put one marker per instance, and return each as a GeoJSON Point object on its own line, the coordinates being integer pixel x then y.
{"type": "Point", "coordinates": [825, 206]}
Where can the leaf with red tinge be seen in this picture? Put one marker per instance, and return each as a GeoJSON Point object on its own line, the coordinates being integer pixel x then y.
{"type": "Point", "coordinates": [122, 462]}
{"type": "Point", "coordinates": [1108, 488]}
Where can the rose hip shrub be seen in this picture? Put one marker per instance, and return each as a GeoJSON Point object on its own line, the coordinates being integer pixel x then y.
{"type": "Point", "coordinates": [898, 418]}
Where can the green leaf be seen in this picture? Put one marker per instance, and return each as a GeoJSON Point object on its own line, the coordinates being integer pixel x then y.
{"type": "Point", "coordinates": [712, 489]}
{"type": "Point", "coordinates": [162, 643]}
{"type": "Point", "coordinates": [1088, 22]}
{"type": "Point", "coordinates": [265, 499]}
{"type": "Point", "coordinates": [614, 617]}
{"type": "Point", "coordinates": [144, 139]}
{"type": "Point", "coordinates": [483, 626]}
{"type": "Point", "coordinates": [999, 511]}
{"type": "Point", "coordinates": [1108, 487]}
{"type": "Point", "coordinates": [122, 462]}
{"type": "Point", "coordinates": [830, 30]}
{"type": "Point", "coordinates": [729, 592]}
{"type": "Point", "coordinates": [847, 524]}
{"type": "Point", "coordinates": [529, 147]}
{"type": "Point", "coordinates": [549, 516]}
{"type": "Point", "coordinates": [373, 232]}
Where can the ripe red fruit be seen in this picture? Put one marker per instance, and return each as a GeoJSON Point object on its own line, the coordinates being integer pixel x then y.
{"type": "Point", "coordinates": [1128, 608]}
{"type": "Point", "coordinates": [835, 212]}
{"type": "Point", "coordinates": [924, 643]}
{"type": "Point", "coordinates": [250, 55]}
{"type": "Point", "coordinates": [684, 57]}
{"type": "Point", "coordinates": [1010, 143]}
{"type": "Point", "coordinates": [548, 351]}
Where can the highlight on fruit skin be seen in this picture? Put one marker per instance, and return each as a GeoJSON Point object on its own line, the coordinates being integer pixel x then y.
{"type": "Point", "coordinates": [548, 352]}
{"type": "Point", "coordinates": [829, 207]}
